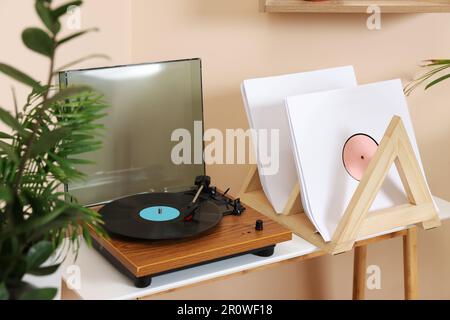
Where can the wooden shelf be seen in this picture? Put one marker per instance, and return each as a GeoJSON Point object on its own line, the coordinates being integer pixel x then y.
{"type": "Point", "coordinates": [354, 6]}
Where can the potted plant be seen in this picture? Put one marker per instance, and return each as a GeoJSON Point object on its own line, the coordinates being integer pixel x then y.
{"type": "Point", "coordinates": [434, 76]}
{"type": "Point", "coordinates": [38, 155]}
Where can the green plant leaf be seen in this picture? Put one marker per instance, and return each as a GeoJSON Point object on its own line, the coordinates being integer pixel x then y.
{"type": "Point", "coordinates": [66, 93]}
{"type": "Point", "coordinates": [18, 271]}
{"type": "Point", "coordinates": [40, 294]}
{"type": "Point", "coordinates": [91, 56]}
{"type": "Point", "coordinates": [62, 10]}
{"type": "Point", "coordinates": [19, 76]}
{"type": "Point", "coordinates": [4, 294]}
{"type": "Point", "coordinates": [38, 254]}
{"type": "Point", "coordinates": [435, 62]}
{"type": "Point", "coordinates": [440, 79]}
{"type": "Point", "coordinates": [87, 236]}
{"type": "Point", "coordinates": [44, 271]}
{"type": "Point", "coordinates": [75, 161]}
{"type": "Point", "coordinates": [36, 222]}
{"type": "Point", "coordinates": [75, 35]}
{"type": "Point", "coordinates": [47, 17]}
{"type": "Point", "coordinates": [48, 140]}
{"type": "Point", "coordinates": [5, 194]}
{"type": "Point", "coordinates": [9, 151]}
{"type": "Point", "coordinates": [37, 202]}
{"type": "Point", "coordinates": [4, 135]}
{"type": "Point", "coordinates": [57, 172]}
{"type": "Point", "coordinates": [39, 41]}
{"type": "Point", "coordinates": [11, 122]}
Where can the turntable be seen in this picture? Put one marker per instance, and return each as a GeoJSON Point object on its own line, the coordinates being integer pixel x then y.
{"type": "Point", "coordinates": [152, 233]}
{"type": "Point", "coordinates": [156, 233]}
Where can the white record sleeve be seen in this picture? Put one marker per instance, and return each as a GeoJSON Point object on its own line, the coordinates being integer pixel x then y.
{"type": "Point", "coordinates": [264, 103]}
{"type": "Point", "coordinates": [321, 124]}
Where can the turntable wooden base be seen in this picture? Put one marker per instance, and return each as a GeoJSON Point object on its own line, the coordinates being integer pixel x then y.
{"type": "Point", "coordinates": [235, 235]}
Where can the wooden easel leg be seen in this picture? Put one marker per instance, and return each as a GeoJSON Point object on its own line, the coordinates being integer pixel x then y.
{"type": "Point", "coordinates": [359, 272]}
{"type": "Point", "coordinates": [410, 264]}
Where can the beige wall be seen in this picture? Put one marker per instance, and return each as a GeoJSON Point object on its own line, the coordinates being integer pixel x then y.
{"type": "Point", "coordinates": [114, 39]}
{"type": "Point", "coordinates": [236, 42]}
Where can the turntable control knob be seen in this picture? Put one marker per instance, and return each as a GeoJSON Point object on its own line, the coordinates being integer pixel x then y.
{"type": "Point", "coordinates": [259, 226]}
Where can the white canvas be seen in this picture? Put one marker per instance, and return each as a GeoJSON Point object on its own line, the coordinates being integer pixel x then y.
{"type": "Point", "coordinates": [320, 124]}
{"type": "Point", "coordinates": [264, 102]}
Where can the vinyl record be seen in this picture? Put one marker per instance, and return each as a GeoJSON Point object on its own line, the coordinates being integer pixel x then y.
{"type": "Point", "coordinates": [158, 216]}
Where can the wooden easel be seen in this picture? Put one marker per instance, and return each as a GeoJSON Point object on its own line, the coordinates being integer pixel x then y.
{"type": "Point", "coordinates": [357, 222]}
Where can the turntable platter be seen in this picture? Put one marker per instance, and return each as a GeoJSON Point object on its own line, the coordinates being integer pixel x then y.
{"type": "Point", "coordinates": [159, 216]}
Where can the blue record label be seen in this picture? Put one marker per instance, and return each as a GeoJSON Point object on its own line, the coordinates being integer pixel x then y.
{"type": "Point", "coordinates": [159, 213]}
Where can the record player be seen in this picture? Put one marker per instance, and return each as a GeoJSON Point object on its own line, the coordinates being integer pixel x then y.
{"type": "Point", "coordinates": [156, 233]}
{"type": "Point", "coordinates": [152, 233]}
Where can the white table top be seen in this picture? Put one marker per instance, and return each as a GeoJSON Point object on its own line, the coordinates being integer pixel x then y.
{"type": "Point", "coordinates": [100, 280]}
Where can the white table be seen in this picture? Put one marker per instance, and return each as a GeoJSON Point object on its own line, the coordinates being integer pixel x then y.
{"type": "Point", "coordinates": [100, 280]}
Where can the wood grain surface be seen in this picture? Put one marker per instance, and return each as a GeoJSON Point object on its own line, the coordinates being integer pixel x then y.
{"type": "Point", "coordinates": [234, 235]}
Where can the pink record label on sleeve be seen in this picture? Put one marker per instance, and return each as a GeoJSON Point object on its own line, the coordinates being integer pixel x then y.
{"type": "Point", "coordinates": [357, 153]}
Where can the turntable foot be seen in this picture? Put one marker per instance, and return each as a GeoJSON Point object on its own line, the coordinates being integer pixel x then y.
{"type": "Point", "coordinates": [142, 282]}
{"type": "Point", "coordinates": [265, 252]}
